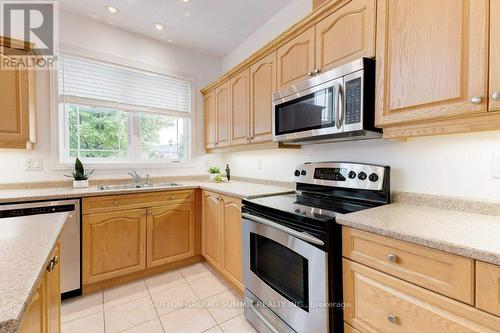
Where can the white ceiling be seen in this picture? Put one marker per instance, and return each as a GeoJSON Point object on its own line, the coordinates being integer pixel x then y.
{"type": "Point", "coordinates": [213, 27]}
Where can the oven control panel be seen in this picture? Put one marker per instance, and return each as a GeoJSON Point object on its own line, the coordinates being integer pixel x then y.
{"type": "Point", "coordinates": [342, 174]}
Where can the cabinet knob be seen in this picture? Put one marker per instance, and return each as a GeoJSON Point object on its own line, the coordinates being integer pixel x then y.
{"type": "Point", "coordinates": [310, 73]}
{"type": "Point", "coordinates": [172, 197]}
{"type": "Point", "coordinates": [496, 96]}
{"type": "Point", "coordinates": [316, 71]}
{"type": "Point", "coordinates": [476, 99]}
{"type": "Point", "coordinates": [393, 319]}
{"type": "Point", "coordinates": [116, 203]}
{"type": "Point", "coordinates": [392, 257]}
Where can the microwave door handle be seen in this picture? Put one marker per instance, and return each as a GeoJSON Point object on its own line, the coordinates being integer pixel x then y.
{"type": "Point", "coordinates": [336, 96]}
{"type": "Point", "coordinates": [297, 234]}
{"type": "Point", "coordinates": [341, 105]}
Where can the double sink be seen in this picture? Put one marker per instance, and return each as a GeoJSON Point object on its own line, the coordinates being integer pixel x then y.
{"type": "Point", "coordinates": [138, 185]}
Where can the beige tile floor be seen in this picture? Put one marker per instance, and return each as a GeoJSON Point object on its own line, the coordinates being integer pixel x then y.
{"type": "Point", "coordinates": [192, 299]}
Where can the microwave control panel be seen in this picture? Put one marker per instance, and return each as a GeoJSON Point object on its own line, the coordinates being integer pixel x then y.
{"type": "Point", "coordinates": [353, 101]}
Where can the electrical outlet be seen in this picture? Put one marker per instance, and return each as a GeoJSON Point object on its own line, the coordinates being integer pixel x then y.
{"type": "Point", "coordinates": [34, 164]}
{"type": "Point", "coordinates": [496, 165]}
{"type": "Point", "coordinates": [259, 164]}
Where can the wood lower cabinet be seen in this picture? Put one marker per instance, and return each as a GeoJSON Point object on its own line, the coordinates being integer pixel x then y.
{"type": "Point", "coordinates": [431, 60]}
{"type": "Point", "coordinates": [346, 35]}
{"type": "Point", "coordinates": [211, 228]}
{"type": "Point", "coordinates": [494, 89]}
{"type": "Point", "coordinates": [382, 303]}
{"type": "Point", "coordinates": [17, 101]}
{"type": "Point", "coordinates": [222, 235]}
{"type": "Point", "coordinates": [488, 287]}
{"type": "Point", "coordinates": [44, 312]}
{"type": "Point", "coordinates": [170, 233]}
{"type": "Point", "coordinates": [232, 244]}
{"type": "Point", "coordinates": [296, 59]}
{"type": "Point", "coordinates": [114, 244]}
{"type": "Point", "coordinates": [262, 85]}
{"type": "Point", "coordinates": [240, 108]}
{"type": "Point", "coordinates": [210, 120]}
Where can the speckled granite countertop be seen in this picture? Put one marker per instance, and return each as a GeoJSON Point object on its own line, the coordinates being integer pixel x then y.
{"type": "Point", "coordinates": [465, 227]}
{"type": "Point", "coordinates": [26, 244]}
{"type": "Point", "coordinates": [233, 188]}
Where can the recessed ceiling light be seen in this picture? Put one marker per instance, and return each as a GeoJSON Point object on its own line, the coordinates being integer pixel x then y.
{"type": "Point", "coordinates": [159, 26]}
{"type": "Point", "coordinates": [187, 14]}
{"type": "Point", "coordinates": [170, 41]}
{"type": "Point", "coordinates": [185, 1]}
{"type": "Point", "coordinates": [112, 9]}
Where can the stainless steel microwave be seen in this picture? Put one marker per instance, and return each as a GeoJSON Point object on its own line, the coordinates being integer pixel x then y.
{"type": "Point", "coordinates": [337, 105]}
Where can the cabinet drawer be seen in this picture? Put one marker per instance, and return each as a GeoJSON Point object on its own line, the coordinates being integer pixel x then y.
{"type": "Point", "coordinates": [488, 287]}
{"type": "Point", "coordinates": [381, 303]}
{"type": "Point", "coordinates": [445, 273]}
{"type": "Point", "coordinates": [138, 200]}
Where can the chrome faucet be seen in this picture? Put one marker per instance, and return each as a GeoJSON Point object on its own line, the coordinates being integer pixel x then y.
{"type": "Point", "coordinates": [136, 177]}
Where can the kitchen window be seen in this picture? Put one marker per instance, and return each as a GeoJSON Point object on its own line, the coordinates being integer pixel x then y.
{"type": "Point", "coordinates": [111, 114]}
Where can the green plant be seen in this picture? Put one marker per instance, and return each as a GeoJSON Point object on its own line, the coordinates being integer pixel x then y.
{"type": "Point", "coordinates": [79, 173]}
{"type": "Point", "coordinates": [218, 178]}
{"type": "Point", "coordinates": [213, 170]}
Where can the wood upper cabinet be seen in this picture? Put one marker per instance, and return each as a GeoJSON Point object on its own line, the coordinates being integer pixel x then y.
{"type": "Point", "coordinates": [295, 59]}
{"type": "Point", "coordinates": [210, 120]}
{"type": "Point", "coordinates": [346, 35]}
{"type": "Point", "coordinates": [494, 56]}
{"type": "Point", "coordinates": [231, 263]}
{"type": "Point", "coordinates": [114, 244]}
{"type": "Point", "coordinates": [223, 107]}
{"type": "Point", "coordinates": [262, 86]}
{"type": "Point", "coordinates": [17, 105]}
{"type": "Point", "coordinates": [211, 228]}
{"type": "Point", "coordinates": [488, 287]}
{"type": "Point", "coordinates": [240, 108]}
{"type": "Point", "coordinates": [431, 59]}
{"type": "Point", "coordinates": [170, 233]}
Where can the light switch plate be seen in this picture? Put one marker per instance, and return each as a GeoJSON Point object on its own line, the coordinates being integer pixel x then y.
{"type": "Point", "coordinates": [259, 164]}
{"type": "Point", "coordinates": [34, 164]}
{"type": "Point", "coordinates": [496, 165]}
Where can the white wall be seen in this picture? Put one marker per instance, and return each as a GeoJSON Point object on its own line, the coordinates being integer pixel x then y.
{"type": "Point", "coordinates": [94, 36]}
{"type": "Point", "coordinates": [451, 165]}
{"type": "Point", "coordinates": [289, 15]}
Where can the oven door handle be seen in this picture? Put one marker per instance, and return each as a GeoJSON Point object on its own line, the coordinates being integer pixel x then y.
{"type": "Point", "coordinates": [300, 235]}
{"type": "Point", "coordinates": [252, 306]}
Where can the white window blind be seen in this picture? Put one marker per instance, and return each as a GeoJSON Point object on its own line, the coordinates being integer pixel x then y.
{"type": "Point", "coordinates": [84, 81]}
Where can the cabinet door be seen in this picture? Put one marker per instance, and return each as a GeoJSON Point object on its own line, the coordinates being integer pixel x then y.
{"type": "Point", "coordinates": [262, 86]}
{"type": "Point", "coordinates": [223, 108]}
{"type": "Point", "coordinates": [494, 56]}
{"type": "Point", "coordinates": [34, 321]}
{"type": "Point", "coordinates": [211, 228]}
{"type": "Point", "coordinates": [114, 244]}
{"type": "Point", "coordinates": [53, 285]}
{"type": "Point", "coordinates": [240, 108]}
{"type": "Point", "coordinates": [296, 59]}
{"type": "Point", "coordinates": [170, 234]}
{"type": "Point", "coordinates": [15, 106]}
{"type": "Point", "coordinates": [488, 287]}
{"type": "Point", "coordinates": [232, 266]}
{"type": "Point", "coordinates": [210, 120]}
{"type": "Point", "coordinates": [346, 35]}
{"type": "Point", "coordinates": [431, 59]}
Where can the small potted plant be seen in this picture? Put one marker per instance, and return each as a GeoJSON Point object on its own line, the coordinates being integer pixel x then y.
{"type": "Point", "coordinates": [81, 178]}
{"type": "Point", "coordinates": [213, 171]}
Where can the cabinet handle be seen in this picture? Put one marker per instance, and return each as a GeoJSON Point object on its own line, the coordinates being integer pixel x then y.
{"type": "Point", "coordinates": [52, 264]}
{"type": "Point", "coordinates": [476, 99]}
{"type": "Point", "coordinates": [116, 203]}
{"type": "Point", "coordinates": [316, 71]}
{"type": "Point", "coordinates": [392, 257]}
{"type": "Point", "coordinates": [496, 96]}
{"type": "Point", "coordinates": [172, 197]}
{"type": "Point", "coordinates": [310, 74]}
{"type": "Point", "coordinates": [393, 319]}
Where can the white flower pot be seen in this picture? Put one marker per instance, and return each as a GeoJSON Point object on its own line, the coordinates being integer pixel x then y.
{"type": "Point", "coordinates": [212, 176]}
{"type": "Point", "coordinates": [80, 183]}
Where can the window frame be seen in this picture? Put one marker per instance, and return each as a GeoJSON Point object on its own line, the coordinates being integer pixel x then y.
{"type": "Point", "coordinates": [60, 134]}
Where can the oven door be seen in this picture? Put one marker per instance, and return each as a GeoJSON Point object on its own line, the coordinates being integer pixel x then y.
{"type": "Point", "coordinates": [313, 112]}
{"type": "Point", "coordinates": [286, 273]}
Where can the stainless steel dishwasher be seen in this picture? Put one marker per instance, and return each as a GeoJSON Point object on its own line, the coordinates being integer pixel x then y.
{"type": "Point", "coordinates": [70, 237]}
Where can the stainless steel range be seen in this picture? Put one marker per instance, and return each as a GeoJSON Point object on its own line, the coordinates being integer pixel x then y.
{"type": "Point", "coordinates": [292, 246]}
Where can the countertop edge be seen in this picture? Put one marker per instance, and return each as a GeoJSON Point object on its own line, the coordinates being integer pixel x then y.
{"type": "Point", "coordinates": [441, 245]}
{"type": "Point", "coordinates": [12, 325]}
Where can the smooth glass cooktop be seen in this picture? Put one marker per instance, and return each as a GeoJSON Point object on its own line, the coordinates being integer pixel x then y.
{"type": "Point", "coordinates": [313, 207]}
